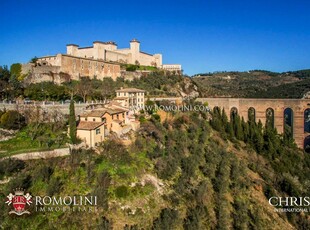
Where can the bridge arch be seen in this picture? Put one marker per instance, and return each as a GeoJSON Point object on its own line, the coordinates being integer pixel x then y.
{"type": "Point", "coordinates": [252, 114]}
{"type": "Point", "coordinates": [270, 117]}
{"type": "Point", "coordinates": [288, 122]}
{"type": "Point", "coordinates": [307, 144]}
{"type": "Point", "coordinates": [233, 112]}
{"type": "Point", "coordinates": [307, 120]}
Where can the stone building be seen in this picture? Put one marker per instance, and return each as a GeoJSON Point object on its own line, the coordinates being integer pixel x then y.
{"type": "Point", "coordinates": [173, 67]}
{"type": "Point", "coordinates": [99, 61]}
{"type": "Point", "coordinates": [130, 98]}
{"type": "Point", "coordinates": [108, 51]}
{"type": "Point", "coordinates": [96, 124]}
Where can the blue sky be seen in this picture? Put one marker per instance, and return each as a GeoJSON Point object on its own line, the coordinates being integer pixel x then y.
{"type": "Point", "coordinates": [203, 36]}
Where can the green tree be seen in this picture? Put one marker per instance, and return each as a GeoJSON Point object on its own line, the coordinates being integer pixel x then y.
{"type": "Point", "coordinates": [12, 120]}
{"type": "Point", "coordinates": [72, 123]}
{"type": "Point", "coordinates": [167, 220]}
{"type": "Point", "coordinates": [16, 69]}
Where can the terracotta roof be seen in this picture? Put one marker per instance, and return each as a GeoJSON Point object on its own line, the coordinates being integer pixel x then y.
{"type": "Point", "coordinates": [94, 113]}
{"type": "Point", "coordinates": [100, 112]}
{"type": "Point", "coordinates": [116, 105]}
{"type": "Point", "coordinates": [129, 90]}
{"type": "Point", "coordinates": [115, 111]}
{"type": "Point", "coordinates": [89, 125]}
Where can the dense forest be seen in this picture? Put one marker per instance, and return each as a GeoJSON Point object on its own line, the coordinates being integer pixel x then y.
{"type": "Point", "coordinates": [193, 170]}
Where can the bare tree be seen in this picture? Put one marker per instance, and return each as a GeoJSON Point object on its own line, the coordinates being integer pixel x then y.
{"type": "Point", "coordinates": [83, 88]}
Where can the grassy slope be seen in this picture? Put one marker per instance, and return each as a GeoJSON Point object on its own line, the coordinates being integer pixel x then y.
{"type": "Point", "coordinates": [22, 142]}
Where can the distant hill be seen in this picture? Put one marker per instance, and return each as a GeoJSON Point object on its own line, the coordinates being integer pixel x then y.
{"type": "Point", "coordinates": [255, 83]}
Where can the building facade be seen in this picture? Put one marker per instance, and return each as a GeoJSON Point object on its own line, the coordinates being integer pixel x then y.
{"type": "Point", "coordinates": [130, 97]}
{"type": "Point", "coordinates": [97, 123]}
{"type": "Point", "coordinates": [108, 51]}
{"type": "Point", "coordinates": [172, 67]}
{"type": "Point", "coordinates": [91, 133]}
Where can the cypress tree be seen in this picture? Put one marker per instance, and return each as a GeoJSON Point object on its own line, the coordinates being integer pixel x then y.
{"type": "Point", "coordinates": [72, 123]}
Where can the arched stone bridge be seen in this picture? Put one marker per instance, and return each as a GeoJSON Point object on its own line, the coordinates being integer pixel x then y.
{"type": "Point", "coordinates": [300, 112]}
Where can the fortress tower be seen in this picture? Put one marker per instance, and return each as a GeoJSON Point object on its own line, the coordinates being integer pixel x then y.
{"type": "Point", "coordinates": [72, 49]}
{"type": "Point", "coordinates": [135, 50]}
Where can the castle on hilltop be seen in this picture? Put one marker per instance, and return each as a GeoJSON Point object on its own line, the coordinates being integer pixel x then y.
{"type": "Point", "coordinates": [108, 51]}
{"type": "Point", "coordinates": [101, 60]}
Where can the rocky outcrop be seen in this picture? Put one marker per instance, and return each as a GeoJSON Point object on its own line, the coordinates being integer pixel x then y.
{"type": "Point", "coordinates": [37, 74]}
{"type": "Point", "coordinates": [186, 88]}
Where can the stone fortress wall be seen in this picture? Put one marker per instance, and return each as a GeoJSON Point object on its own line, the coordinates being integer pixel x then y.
{"type": "Point", "coordinates": [60, 67]}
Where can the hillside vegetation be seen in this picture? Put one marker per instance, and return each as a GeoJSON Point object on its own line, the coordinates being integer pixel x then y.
{"type": "Point", "coordinates": [158, 83]}
{"type": "Point", "coordinates": [183, 173]}
{"type": "Point", "coordinates": [254, 84]}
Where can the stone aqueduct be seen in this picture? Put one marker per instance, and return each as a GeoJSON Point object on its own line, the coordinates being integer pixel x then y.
{"type": "Point", "coordinates": [299, 108]}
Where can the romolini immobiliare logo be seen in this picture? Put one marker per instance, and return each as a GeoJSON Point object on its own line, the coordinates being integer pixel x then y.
{"type": "Point", "coordinates": [19, 201]}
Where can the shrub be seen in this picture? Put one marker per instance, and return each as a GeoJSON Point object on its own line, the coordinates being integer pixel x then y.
{"type": "Point", "coordinates": [168, 219]}
{"type": "Point", "coordinates": [122, 191]}
{"type": "Point", "coordinates": [9, 166]}
{"type": "Point", "coordinates": [54, 187]}
{"type": "Point", "coordinates": [12, 120]}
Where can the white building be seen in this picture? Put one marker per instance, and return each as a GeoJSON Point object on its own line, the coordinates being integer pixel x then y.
{"type": "Point", "coordinates": [172, 67]}
{"type": "Point", "coordinates": [130, 97]}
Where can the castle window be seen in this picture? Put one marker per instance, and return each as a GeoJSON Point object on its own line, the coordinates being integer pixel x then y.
{"type": "Point", "coordinates": [94, 119]}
